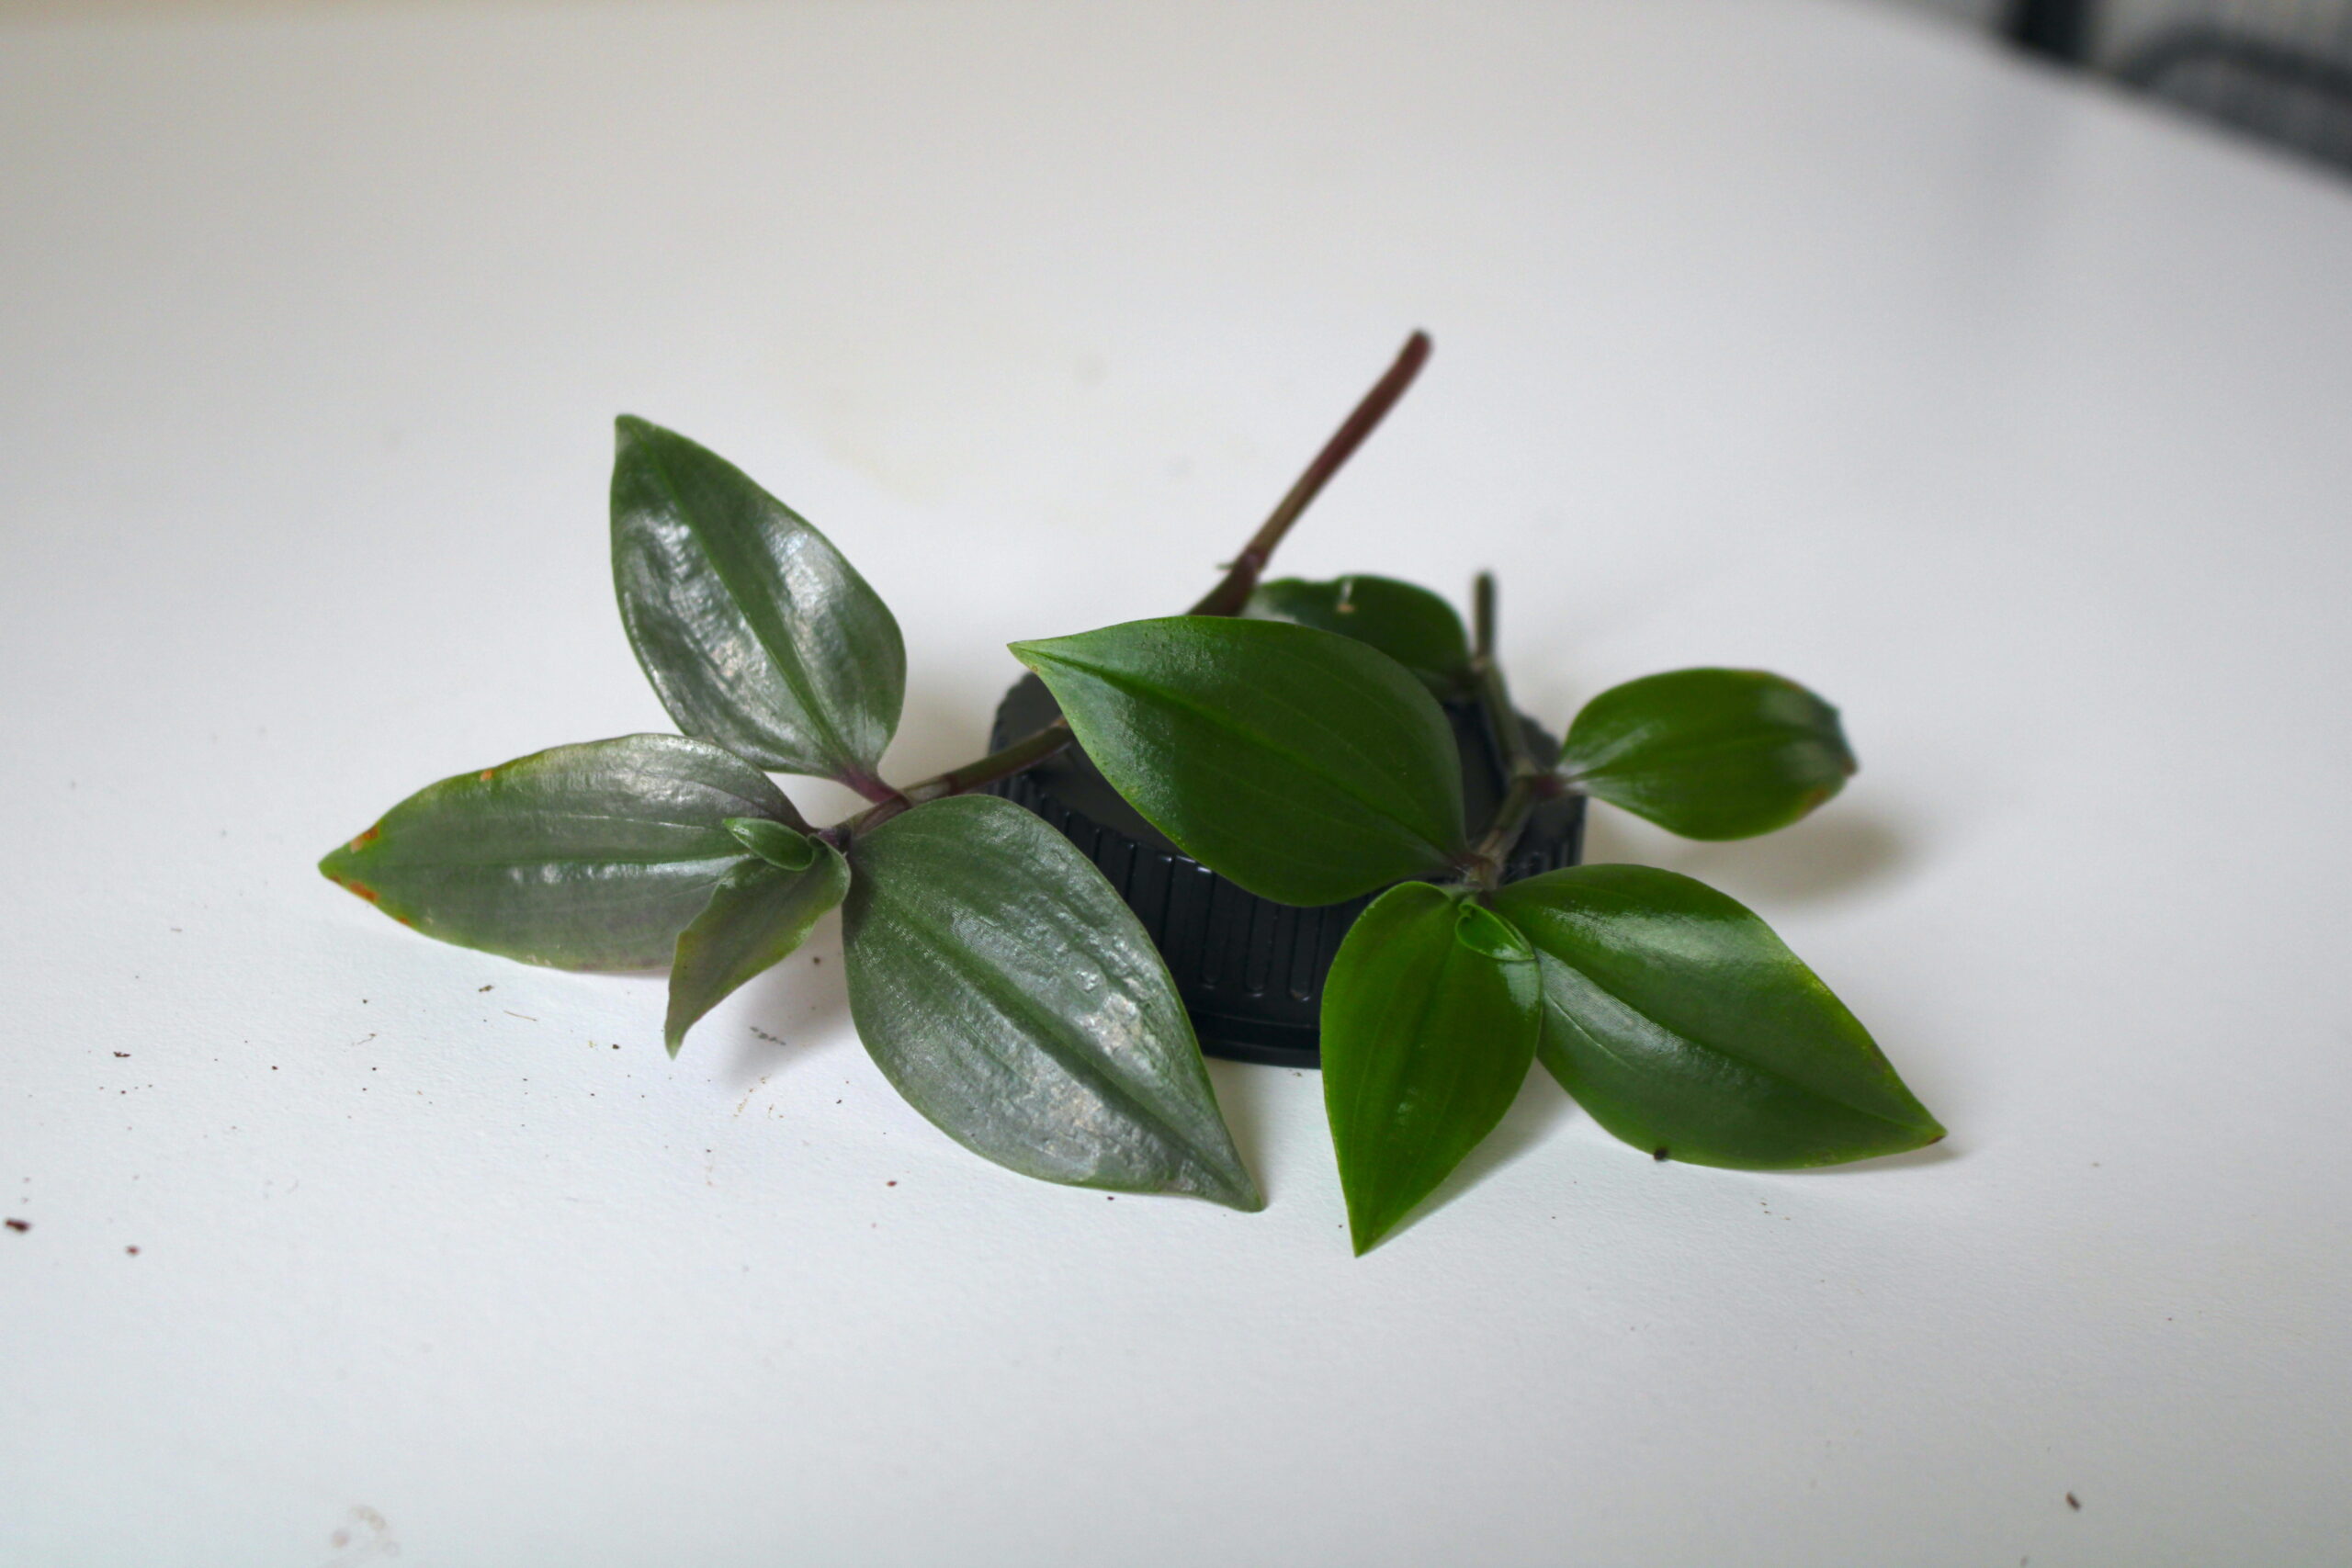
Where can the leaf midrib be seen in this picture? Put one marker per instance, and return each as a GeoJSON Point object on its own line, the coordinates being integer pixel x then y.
{"type": "Point", "coordinates": [1132, 685]}
{"type": "Point", "coordinates": [1427, 1003]}
{"type": "Point", "coordinates": [1760, 1069]}
{"type": "Point", "coordinates": [718, 827]}
{"type": "Point", "coordinates": [516, 862]}
{"type": "Point", "coordinates": [787, 669]}
{"type": "Point", "coordinates": [1659, 756]}
{"type": "Point", "coordinates": [911, 913]}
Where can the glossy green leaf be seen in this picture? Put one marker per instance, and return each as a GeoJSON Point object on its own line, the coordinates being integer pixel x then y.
{"type": "Point", "coordinates": [583, 857]}
{"type": "Point", "coordinates": [750, 625]}
{"type": "Point", "coordinates": [998, 981]}
{"type": "Point", "coordinates": [1307, 767]}
{"type": "Point", "coordinates": [1429, 1020]}
{"type": "Point", "coordinates": [1413, 626]}
{"type": "Point", "coordinates": [1688, 1029]}
{"type": "Point", "coordinates": [1710, 753]}
{"type": "Point", "coordinates": [774, 842]}
{"type": "Point", "coordinates": [1482, 931]}
{"type": "Point", "coordinates": [757, 915]}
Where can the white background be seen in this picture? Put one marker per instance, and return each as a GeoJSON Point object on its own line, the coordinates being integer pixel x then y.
{"type": "Point", "coordinates": [2008, 413]}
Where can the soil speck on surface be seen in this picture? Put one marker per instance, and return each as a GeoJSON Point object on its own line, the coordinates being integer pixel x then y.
{"type": "Point", "coordinates": [132, 1251]}
{"type": "Point", "coordinates": [20, 1224]}
{"type": "Point", "coordinates": [485, 987]}
{"type": "Point", "coordinates": [2073, 1501]}
{"type": "Point", "coordinates": [1658, 1155]}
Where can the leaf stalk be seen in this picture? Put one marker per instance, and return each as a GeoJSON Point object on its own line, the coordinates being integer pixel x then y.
{"type": "Point", "coordinates": [1026, 753]}
{"type": "Point", "coordinates": [1530, 783]}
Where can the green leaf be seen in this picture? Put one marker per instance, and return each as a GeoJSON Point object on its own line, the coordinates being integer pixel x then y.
{"type": "Point", "coordinates": [998, 981]}
{"type": "Point", "coordinates": [1429, 1020]}
{"type": "Point", "coordinates": [1409, 624]}
{"type": "Point", "coordinates": [1482, 931]}
{"type": "Point", "coordinates": [583, 857]}
{"type": "Point", "coordinates": [755, 917]}
{"type": "Point", "coordinates": [1307, 767]}
{"type": "Point", "coordinates": [774, 842]}
{"type": "Point", "coordinates": [750, 625]}
{"type": "Point", "coordinates": [1688, 1029]}
{"type": "Point", "coordinates": [1710, 753]}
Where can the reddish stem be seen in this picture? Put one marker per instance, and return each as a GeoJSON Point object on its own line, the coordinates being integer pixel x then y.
{"type": "Point", "coordinates": [1241, 578]}
{"type": "Point", "coordinates": [1225, 599]}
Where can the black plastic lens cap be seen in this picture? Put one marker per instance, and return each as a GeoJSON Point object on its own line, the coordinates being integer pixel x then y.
{"type": "Point", "coordinates": [1250, 970]}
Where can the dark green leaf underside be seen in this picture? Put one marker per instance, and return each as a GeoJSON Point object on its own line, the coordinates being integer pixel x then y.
{"type": "Point", "coordinates": [1001, 984]}
{"type": "Point", "coordinates": [583, 857]}
{"type": "Point", "coordinates": [753, 629]}
{"type": "Point", "coordinates": [759, 913]}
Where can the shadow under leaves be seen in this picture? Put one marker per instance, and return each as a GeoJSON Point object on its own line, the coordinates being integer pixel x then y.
{"type": "Point", "coordinates": [1839, 851]}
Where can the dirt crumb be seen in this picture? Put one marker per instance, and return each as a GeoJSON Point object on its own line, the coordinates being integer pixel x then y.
{"type": "Point", "coordinates": [2073, 1501]}
{"type": "Point", "coordinates": [124, 1055]}
{"type": "Point", "coordinates": [20, 1224]}
{"type": "Point", "coordinates": [132, 1251]}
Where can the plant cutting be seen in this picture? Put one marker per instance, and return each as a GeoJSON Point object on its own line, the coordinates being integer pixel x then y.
{"type": "Point", "coordinates": [1286, 735]}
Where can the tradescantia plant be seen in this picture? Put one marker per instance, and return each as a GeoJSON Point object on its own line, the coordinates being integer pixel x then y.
{"type": "Point", "coordinates": [1284, 734]}
{"type": "Point", "coordinates": [1310, 768]}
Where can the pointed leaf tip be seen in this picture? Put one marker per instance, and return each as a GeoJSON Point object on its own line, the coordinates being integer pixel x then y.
{"type": "Point", "coordinates": [1427, 1038]}
{"type": "Point", "coordinates": [581, 857]}
{"type": "Point", "coordinates": [757, 916]}
{"type": "Point", "coordinates": [1005, 990]}
{"type": "Point", "coordinates": [1680, 1022]}
{"type": "Point", "coordinates": [755, 631]}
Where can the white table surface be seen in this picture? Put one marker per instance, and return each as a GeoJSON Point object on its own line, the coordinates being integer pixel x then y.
{"type": "Point", "coordinates": [2014, 416]}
